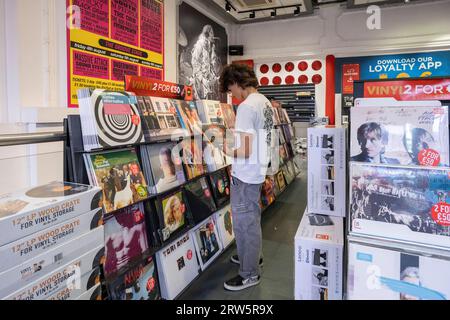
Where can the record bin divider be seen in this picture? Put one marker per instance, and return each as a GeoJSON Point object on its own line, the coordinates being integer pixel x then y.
{"type": "Point", "coordinates": [75, 171]}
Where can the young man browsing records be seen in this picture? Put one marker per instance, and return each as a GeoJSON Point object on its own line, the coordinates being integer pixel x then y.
{"type": "Point", "coordinates": [252, 138]}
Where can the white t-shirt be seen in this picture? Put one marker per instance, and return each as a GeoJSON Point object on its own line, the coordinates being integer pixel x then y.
{"type": "Point", "coordinates": [255, 116]}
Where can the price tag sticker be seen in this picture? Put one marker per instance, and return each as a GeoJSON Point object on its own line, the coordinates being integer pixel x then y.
{"type": "Point", "coordinates": [429, 157]}
{"type": "Point", "coordinates": [440, 213]}
{"type": "Point", "coordinates": [135, 119]}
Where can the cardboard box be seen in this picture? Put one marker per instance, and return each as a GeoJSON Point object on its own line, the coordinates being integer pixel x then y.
{"type": "Point", "coordinates": [400, 203]}
{"type": "Point", "coordinates": [327, 170]}
{"type": "Point", "coordinates": [21, 275]}
{"type": "Point", "coordinates": [89, 288]}
{"type": "Point", "coordinates": [378, 270]}
{"type": "Point", "coordinates": [177, 266]}
{"type": "Point", "coordinates": [319, 244]}
{"type": "Point", "coordinates": [19, 251]}
{"type": "Point", "coordinates": [69, 274]}
{"type": "Point", "coordinates": [28, 211]}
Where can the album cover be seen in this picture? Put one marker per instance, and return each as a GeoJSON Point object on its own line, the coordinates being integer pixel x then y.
{"type": "Point", "coordinates": [200, 199]}
{"type": "Point", "coordinates": [169, 121]}
{"type": "Point", "coordinates": [177, 266]}
{"type": "Point", "coordinates": [283, 154]}
{"type": "Point", "coordinates": [43, 287]}
{"type": "Point", "coordinates": [400, 203]}
{"type": "Point", "coordinates": [188, 113]}
{"type": "Point", "coordinates": [207, 243]}
{"type": "Point", "coordinates": [288, 171]}
{"type": "Point", "coordinates": [20, 275]}
{"type": "Point", "coordinates": [281, 184]}
{"type": "Point", "coordinates": [287, 131]}
{"type": "Point", "coordinates": [268, 192]}
{"type": "Point", "coordinates": [210, 112]}
{"type": "Point", "coordinates": [224, 224]}
{"type": "Point", "coordinates": [327, 170]}
{"type": "Point", "coordinates": [33, 209]}
{"type": "Point", "coordinates": [163, 165]}
{"type": "Point", "coordinates": [192, 157]}
{"type": "Point", "coordinates": [173, 212]}
{"type": "Point", "coordinates": [138, 283]}
{"type": "Point", "coordinates": [276, 116]}
{"type": "Point", "coordinates": [228, 115]}
{"type": "Point", "coordinates": [19, 251]}
{"type": "Point", "coordinates": [125, 238]}
{"type": "Point", "coordinates": [220, 184]}
{"type": "Point", "coordinates": [400, 135]}
{"type": "Point", "coordinates": [319, 247]}
{"type": "Point", "coordinates": [150, 124]}
{"type": "Point", "coordinates": [88, 287]}
{"type": "Point", "coordinates": [119, 175]}
{"type": "Point", "coordinates": [388, 273]}
{"type": "Point", "coordinates": [109, 118]}
{"type": "Point", "coordinates": [213, 146]}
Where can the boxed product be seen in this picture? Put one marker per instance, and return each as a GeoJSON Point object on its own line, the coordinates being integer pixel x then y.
{"type": "Point", "coordinates": [207, 244]}
{"type": "Point", "coordinates": [327, 170]}
{"type": "Point", "coordinates": [379, 271]}
{"type": "Point", "coordinates": [140, 282]}
{"type": "Point", "coordinates": [17, 252]}
{"type": "Point", "coordinates": [400, 135]}
{"type": "Point", "coordinates": [319, 245]}
{"type": "Point", "coordinates": [400, 203]}
{"type": "Point", "coordinates": [22, 274]}
{"type": "Point", "coordinates": [224, 224]}
{"type": "Point", "coordinates": [87, 287]}
{"type": "Point", "coordinates": [68, 274]}
{"type": "Point", "coordinates": [177, 266]}
{"type": "Point", "coordinates": [31, 210]}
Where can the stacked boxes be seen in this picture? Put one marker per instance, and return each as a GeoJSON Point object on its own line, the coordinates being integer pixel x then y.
{"type": "Point", "coordinates": [51, 242]}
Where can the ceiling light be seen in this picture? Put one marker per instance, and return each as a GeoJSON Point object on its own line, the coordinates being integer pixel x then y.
{"type": "Point", "coordinates": [273, 13]}
{"type": "Point", "coordinates": [252, 15]}
{"type": "Point", "coordinates": [297, 11]}
{"type": "Point", "coordinates": [227, 6]}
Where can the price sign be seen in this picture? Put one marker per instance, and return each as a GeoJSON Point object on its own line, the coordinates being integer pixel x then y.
{"type": "Point", "coordinates": [440, 213]}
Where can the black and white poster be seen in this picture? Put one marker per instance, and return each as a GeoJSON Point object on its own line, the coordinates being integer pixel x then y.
{"type": "Point", "coordinates": [202, 53]}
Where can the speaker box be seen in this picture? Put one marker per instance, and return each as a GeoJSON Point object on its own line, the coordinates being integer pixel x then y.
{"type": "Point", "coordinates": [236, 50]}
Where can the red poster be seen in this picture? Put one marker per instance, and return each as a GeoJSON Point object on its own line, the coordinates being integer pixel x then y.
{"type": "Point", "coordinates": [85, 64]}
{"type": "Point", "coordinates": [151, 73]}
{"type": "Point", "coordinates": [142, 86]}
{"type": "Point", "coordinates": [94, 16]}
{"type": "Point", "coordinates": [152, 27]}
{"type": "Point", "coordinates": [121, 69]}
{"type": "Point", "coordinates": [431, 89]}
{"type": "Point", "coordinates": [350, 73]}
{"type": "Point", "coordinates": [124, 21]}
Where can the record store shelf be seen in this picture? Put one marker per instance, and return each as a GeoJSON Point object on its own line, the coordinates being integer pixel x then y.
{"type": "Point", "coordinates": [298, 100]}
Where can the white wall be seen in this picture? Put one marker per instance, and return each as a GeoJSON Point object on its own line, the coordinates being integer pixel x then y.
{"type": "Point", "coordinates": [342, 32]}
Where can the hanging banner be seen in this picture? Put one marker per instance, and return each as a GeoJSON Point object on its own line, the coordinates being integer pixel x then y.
{"type": "Point", "coordinates": [108, 39]}
{"type": "Point", "coordinates": [350, 73]}
{"type": "Point", "coordinates": [142, 86]}
{"type": "Point", "coordinates": [431, 89]}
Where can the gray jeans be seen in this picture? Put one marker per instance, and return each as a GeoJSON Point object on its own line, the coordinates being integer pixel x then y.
{"type": "Point", "coordinates": [246, 212]}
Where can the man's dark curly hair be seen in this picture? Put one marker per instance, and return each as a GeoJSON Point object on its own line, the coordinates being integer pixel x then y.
{"type": "Point", "coordinates": [240, 74]}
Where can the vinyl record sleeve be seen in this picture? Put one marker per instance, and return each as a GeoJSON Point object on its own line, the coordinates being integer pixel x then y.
{"type": "Point", "coordinates": [397, 202]}
{"type": "Point", "coordinates": [115, 117]}
{"type": "Point", "coordinates": [268, 192]}
{"type": "Point", "coordinates": [125, 238]}
{"type": "Point", "coordinates": [210, 112]}
{"type": "Point", "coordinates": [188, 114]}
{"type": "Point", "coordinates": [177, 266]}
{"type": "Point", "coordinates": [33, 209]}
{"type": "Point", "coordinates": [390, 273]}
{"type": "Point", "coordinates": [120, 176]}
{"type": "Point", "coordinates": [213, 146]}
{"type": "Point", "coordinates": [23, 274]}
{"type": "Point", "coordinates": [138, 283]}
{"type": "Point", "coordinates": [207, 243]}
{"type": "Point", "coordinates": [53, 282]}
{"type": "Point", "coordinates": [200, 199]}
{"type": "Point", "coordinates": [224, 224]}
{"type": "Point", "coordinates": [192, 157]}
{"type": "Point", "coordinates": [37, 243]}
{"type": "Point", "coordinates": [166, 166]}
{"type": "Point", "coordinates": [220, 184]}
{"type": "Point", "coordinates": [228, 115]}
{"type": "Point", "coordinates": [281, 184]}
{"type": "Point", "coordinates": [400, 135]}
